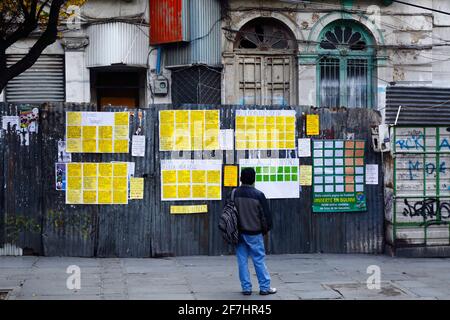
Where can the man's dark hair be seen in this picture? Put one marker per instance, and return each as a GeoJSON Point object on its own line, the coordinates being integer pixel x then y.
{"type": "Point", "coordinates": [248, 176]}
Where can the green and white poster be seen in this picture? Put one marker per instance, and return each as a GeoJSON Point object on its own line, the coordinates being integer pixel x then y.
{"type": "Point", "coordinates": [338, 176]}
{"type": "Point", "coordinates": [277, 178]}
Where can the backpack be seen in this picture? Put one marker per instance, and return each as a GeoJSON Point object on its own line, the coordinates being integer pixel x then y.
{"type": "Point", "coordinates": [228, 222]}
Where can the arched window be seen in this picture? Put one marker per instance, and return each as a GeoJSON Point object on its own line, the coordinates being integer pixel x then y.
{"type": "Point", "coordinates": [346, 67]}
{"type": "Point", "coordinates": [265, 34]}
{"type": "Point", "coordinates": [265, 66]}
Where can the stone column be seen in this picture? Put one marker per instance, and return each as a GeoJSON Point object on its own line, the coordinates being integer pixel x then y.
{"type": "Point", "coordinates": [77, 75]}
{"type": "Point", "coordinates": [307, 82]}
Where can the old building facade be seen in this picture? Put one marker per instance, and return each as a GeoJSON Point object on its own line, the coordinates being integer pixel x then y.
{"type": "Point", "coordinates": [381, 55]}
{"type": "Point", "coordinates": [320, 53]}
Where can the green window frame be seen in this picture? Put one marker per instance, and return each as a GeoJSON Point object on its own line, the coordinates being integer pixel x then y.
{"type": "Point", "coordinates": [346, 66]}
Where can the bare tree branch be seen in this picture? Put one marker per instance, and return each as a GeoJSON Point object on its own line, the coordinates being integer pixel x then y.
{"type": "Point", "coordinates": [24, 9]}
{"type": "Point", "coordinates": [48, 37]}
{"type": "Point", "coordinates": [42, 7]}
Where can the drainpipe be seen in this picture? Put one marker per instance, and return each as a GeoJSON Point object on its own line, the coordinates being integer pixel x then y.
{"type": "Point", "coordinates": [158, 60]}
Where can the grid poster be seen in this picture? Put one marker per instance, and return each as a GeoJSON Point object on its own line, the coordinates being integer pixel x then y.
{"type": "Point", "coordinates": [97, 183]}
{"type": "Point", "coordinates": [97, 132]}
{"type": "Point", "coordinates": [277, 178]}
{"type": "Point", "coordinates": [191, 180]}
{"type": "Point", "coordinates": [338, 176]}
{"type": "Point", "coordinates": [265, 129]}
{"type": "Point", "coordinates": [187, 130]}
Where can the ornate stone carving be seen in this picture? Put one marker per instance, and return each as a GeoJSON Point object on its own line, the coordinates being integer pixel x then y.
{"type": "Point", "coordinates": [78, 43]}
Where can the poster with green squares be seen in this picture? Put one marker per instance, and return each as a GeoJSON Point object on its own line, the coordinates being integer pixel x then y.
{"type": "Point", "coordinates": [338, 176]}
{"type": "Point", "coordinates": [277, 178]}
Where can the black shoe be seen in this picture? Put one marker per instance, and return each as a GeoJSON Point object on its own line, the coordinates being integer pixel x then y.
{"type": "Point", "coordinates": [247, 293]}
{"type": "Point", "coordinates": [270, 291]}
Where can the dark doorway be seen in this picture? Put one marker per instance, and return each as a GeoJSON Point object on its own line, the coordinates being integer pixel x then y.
{"type": "Point", "coordinates": [118, 88]}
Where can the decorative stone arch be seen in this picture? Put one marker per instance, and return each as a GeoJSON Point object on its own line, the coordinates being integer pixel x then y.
{"type": "Point", "coordinates": [324, 21]}
{"type": "Point", "coordinates": [266, 34]}
{"type": "Point", "coordinates": [291, 25]}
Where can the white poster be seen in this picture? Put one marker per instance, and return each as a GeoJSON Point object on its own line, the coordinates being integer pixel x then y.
{"type": "Point", "coordinates": [304, 148]}
{"type": "Point", "coordinates": [11, 121]}
{"type": "Point", "coordinates": [63, 156]}
{"type": "Point", "coordinates": [226, 139]}
{"type": "Point", "coordinates": [277, 178]}
{"type": "Point", "coordinates": [372, 174]}
{"type": "Point", "coordinates": [131, 169]}
{"type": "Point", "coordinates": [138, 146]}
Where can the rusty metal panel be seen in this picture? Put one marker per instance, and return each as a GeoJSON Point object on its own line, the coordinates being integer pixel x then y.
{"type": "Point", "coordinates": [169, 21]}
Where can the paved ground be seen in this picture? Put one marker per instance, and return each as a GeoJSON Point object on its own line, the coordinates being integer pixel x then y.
{"type": "Point", "coordinates": [314, 276]}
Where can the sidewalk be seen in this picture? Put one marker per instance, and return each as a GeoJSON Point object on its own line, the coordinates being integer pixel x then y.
{"type": "Point", "coordinates": [308, 276]}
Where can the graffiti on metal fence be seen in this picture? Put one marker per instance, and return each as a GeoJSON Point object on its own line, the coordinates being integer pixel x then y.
{"type": "Point", "coordinates": [430, 168]}
{"type": "Point", "coordinates": [430, 208]}
{"type": "Point", "coordinates": [414, 141]}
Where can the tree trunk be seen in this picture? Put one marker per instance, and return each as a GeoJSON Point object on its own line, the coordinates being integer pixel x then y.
{"type": "Point", "coordinates": [2, 66]}
{"type": "Point", "coordinates": [47, 38]}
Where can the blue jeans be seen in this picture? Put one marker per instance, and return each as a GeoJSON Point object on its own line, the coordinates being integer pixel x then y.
{"type": "Point", "coordinates": [252, 245]}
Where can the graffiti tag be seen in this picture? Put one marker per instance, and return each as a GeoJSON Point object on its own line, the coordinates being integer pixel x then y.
{"type": "Point", "coordinates": [429, 208]}
{"type": "Point", "coordinates": [430, 168]}
{"type": "Point", "coordinates": [415, 141]}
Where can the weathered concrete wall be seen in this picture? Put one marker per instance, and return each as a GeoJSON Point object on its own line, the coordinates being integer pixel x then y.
{"type": "Point", "coordinates": [410, 40]}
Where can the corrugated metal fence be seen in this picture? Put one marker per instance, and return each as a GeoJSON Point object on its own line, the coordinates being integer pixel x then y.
{"type": "Point", "coordinates": [34, 216]}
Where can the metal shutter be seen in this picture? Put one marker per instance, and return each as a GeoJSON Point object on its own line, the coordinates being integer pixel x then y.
{"type": "Point", "coordinates": [43, 82]}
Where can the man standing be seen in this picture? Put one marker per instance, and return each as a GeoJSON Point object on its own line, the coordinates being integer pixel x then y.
{"type": "Point", "coordinates": [254, 220]}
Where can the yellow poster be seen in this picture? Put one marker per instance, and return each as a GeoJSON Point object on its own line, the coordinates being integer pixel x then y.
{"type": "Point", "coordinates": [105, 169]}
{"type": "Point", "coordinates": [121, 118]}
{"type": "Point", "coordinates": [73, 197]}
{"type": "Point", "coordinates": [120, 169]}
{"type": "Point", "coordinates": [189, 209]}
{"type": "Point", "coordinates": [73, 118]}
{"type": "Point", "coordinates": [136, 188]}
{"type": "Point", "coordinates": [265, 129]}
{"type": "Point", "coordinates": [105, 197]}
{"type": "Point", "coordinates": [189, 130]}
{"type": "Point", "coordinates": [305, 175]}
{"type": "Point", "coordinates": [97, 183]}
{"type": "Point", "coordinates": [191, 180]}
{"type": "Point", "coordinates": [230, 176]}
{"type": "Point", "coordinates": [312, 125]}
{"type": "Point", "coordinates": [74, 145]}
{"type": "Point", "coordinates": [97, 132]}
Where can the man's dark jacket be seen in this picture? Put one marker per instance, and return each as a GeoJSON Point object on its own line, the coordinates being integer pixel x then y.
{"type": "Point", "coordinates": [254, 216]}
